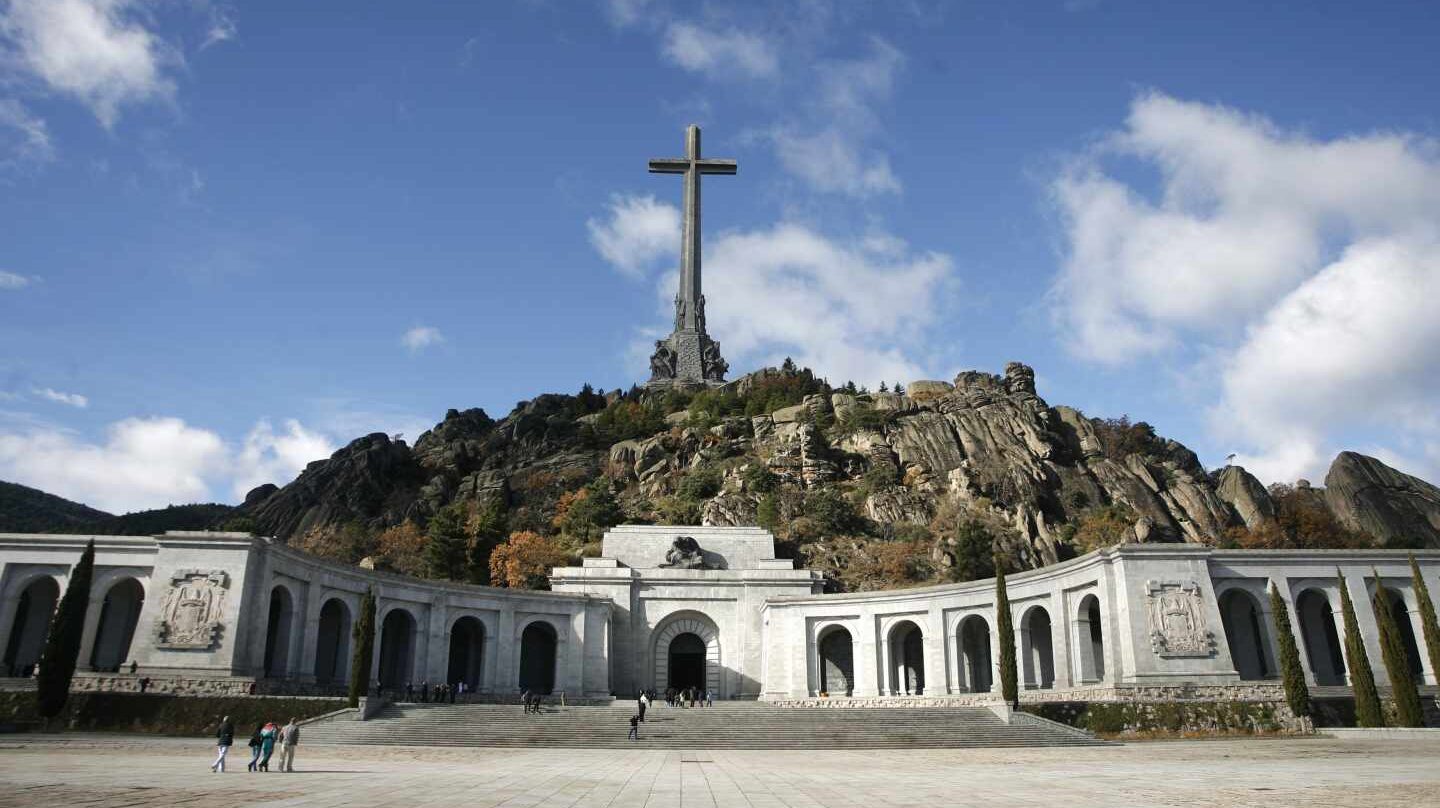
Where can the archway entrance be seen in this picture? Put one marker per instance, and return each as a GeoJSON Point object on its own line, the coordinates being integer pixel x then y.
{"type": "Point", "coordinates": [31, 626]}
{"type": "Point", "coordinates": [332, 643]}
{"type": "Point", "coordinates": [537, 658]}
{"type": "Point", "coordinates": [837, 662]}
{"type": "Point", "coordinates": [1322, 641]}
{"type": "Point", "coordinates": [1038, 648]}
{"type": "Point", "coordinates": [119, 614]}
{"type": "Point", "coordinates": [705, 655]}
{"type": "Point", "coordinates": [975, 665]}
{"type": "Point", "coordinates": [277, 633]}
{"type": "Point", "coordinates": [907, 660]}
{"type": "Point", "coordinates": [397, 649]}
{"type": "Point", "coordinates": [1245, 634]}
{"type": "Point", "coordinates": [687, 662]}
{"type": "Point", "coordinates": [1401, 613]}
{"type": "Point", "coordinates": [467, 646]}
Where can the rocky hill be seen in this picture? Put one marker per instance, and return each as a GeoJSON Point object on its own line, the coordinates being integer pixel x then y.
{"type": "Point", "coordinates": [876, 489]}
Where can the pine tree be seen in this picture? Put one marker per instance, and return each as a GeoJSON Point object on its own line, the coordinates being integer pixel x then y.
{"type": "Point", "coordinates": [363, 637]}
{"type": "Point", "coordinates": [1368, 712]}
{"type": "Point", "coordinates": [62, 646]}
{"type": "Point", "coordinates": [1428, 623]}
{"type": "Point", "coordinates": [445, 554]}
{"type": "Point", "coordinates": [1009, 688]}
{"type": "Point", "coordinates": [487, 529]}
{"type": "Point", "coordinates": [1297, 692]}
{"type": "Point", "coordinates": [1408, 712]}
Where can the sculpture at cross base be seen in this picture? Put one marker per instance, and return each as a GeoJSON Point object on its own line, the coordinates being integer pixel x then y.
{"type": "Point", "coordinates": [689, 355]}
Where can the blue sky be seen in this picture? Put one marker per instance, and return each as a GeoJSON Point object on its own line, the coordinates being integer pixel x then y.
{"type": "Point", "coordinates": [237, 235]}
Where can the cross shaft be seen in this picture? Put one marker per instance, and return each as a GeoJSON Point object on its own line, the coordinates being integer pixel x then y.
{"type": "Point", "coordinates": [689, 303]}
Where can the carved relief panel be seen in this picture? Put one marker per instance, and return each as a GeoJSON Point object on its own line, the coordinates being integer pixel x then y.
{"type": "Point", "coordinates": [193, 611]}
{"type": "Point", "coordinates": [1177, 620]}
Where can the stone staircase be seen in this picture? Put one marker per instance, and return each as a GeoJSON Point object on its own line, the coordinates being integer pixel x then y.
{"type": "Point", "coordinates": [727, 725]}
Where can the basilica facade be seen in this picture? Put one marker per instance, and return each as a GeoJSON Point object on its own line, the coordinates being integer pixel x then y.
{"type": "Point", "coordinates": [707, 607]}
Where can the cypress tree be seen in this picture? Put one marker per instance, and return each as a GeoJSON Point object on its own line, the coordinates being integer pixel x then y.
{"type": "Point", "coordinates": [1009, 689]}
{"type": "Point", "coordinates": [1427, 616]}
{"type": "Point", "coordinates": [1297, 693]}
{"type": "Point", "coordinates": [62, 646]}
{"type": "Point", "coordinates": [363, 636]}
{"type": "Point", "coordinates": [1368, 712]}
{"type": "Point", "coordinates": [1408, 712]}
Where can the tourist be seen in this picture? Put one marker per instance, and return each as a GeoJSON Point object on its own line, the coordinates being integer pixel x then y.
{"type": "Point", "coordinates": [634, 727]}
{"type": "Point", "coordinates": [709, 697]}
{"type": "Point", "coordinates": [644, 701]}
{"type": "Point", "coordinates": [257, 740]}
{"type": "Point", "coordinates": [144, 683]}
{"type": "Point", "coordinates": [267, 745]}
{"type": "Point", "coordinates": [134, 666]}
{"type": "Point", "coordinates": [425, 691]}
{"type": "Point", "coordinates": [409, 691]}
{"type": "Point", "coordinates": [525, 699]}
{"type": "Point", "coordinates": [224, 738]}
{"type": "Point", "coordinates": [289, 739]}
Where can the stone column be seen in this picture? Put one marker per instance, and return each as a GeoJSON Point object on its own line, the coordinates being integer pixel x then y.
{"type": "Point", "coordinates": [309, 634]}
{"type": "Point", "coordinates": [91, 629]}
{"type": "Point", "coordinates": [1359, 583]}
{"type": "Point", "coordinates": [863, 658]}
{"type": "Point", "coordinates": [1084, 656]}
{"type": "Point", "coordinates": [888, 685]}
{"type": "Point", "coordinates": [1060, 652]}
{"type": "Point", "coordinates": [507, 661]}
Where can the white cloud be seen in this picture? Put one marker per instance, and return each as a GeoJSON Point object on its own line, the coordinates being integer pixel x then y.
{"type": "Point", "coordinates": [268, 457]}
{"type": "Point", "coordinates": [222, 27]}
{"type": "Point", "coordinates": [857, 310]}
{"type": "Point", "coordinates": [143, 463]}
{"type": "Point", "coordinates": [421, 337]}
{"type": "Point", "coordinates": [638, 232]}
{"type": "Point", "coordinates": [9, 280]}
{"type": "Point", "coordinates": [627, 12]}
{"type": "Point", "coordinates": [702, 50]}
{"type": "Point", "coordinates": [833, 162]}
{"type": "Point", "coordinates": [153, 462]}
{"type": "Point", "coordinates": [98, 51]}
{"type": "Point", "coordinates": [24, 138]}
{"type": "Point", "coordinates": [1306, 267]}
{"type": "Point", "coordinates": [68, 399]}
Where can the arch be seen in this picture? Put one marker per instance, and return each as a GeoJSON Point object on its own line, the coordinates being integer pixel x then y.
{"type": "Point", "coordinates": [538, 645]}
{"type": "Point", "coordinates": [31, 626]}
{"type": "Point", "coordinates": [672, 629]}
{"type": "Point", "coordinates": [1037, 648]}
{"type": "Point", "coordinates": [277, 632]}
{"type": "Point", "coordinates": [332, 642]}
{"type": "Point", "coordinates": [1245, 633]}
{"type": "Point", "coordinates": [837, 661]}
{"type": "Point", "coordinates": [1401, 612]}
{"type": "Point", "coordinates": [1091, 639]}
{"type": "Point", "coordinates": [1322, 641]}
{"type": "Point", "coordinates": [976, 668]}
{"type": "Point", "coordinates": [119, 614]}
{"type": "Point", "coordinates": [397, 649]}
{"type": "Point", "coordinates": [907, 659]}
{"type": "Point", "coordinates": [467, 650]}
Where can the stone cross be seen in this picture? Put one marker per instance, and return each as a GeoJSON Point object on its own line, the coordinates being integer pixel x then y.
{"type": "Point", "coordinates": [690, 302]}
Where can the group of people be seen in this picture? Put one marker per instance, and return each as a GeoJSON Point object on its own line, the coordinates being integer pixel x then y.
{"type": "Point", "coordinates": [439, 694]}
{"type": "Point", "coordinates": [690, 697]}
{"type": "Point", "coordinates": [534, 702]}
{"type": "Point", "coordinates": [682, 697]}
{"type": "Point", "coordinates": [262, 745]}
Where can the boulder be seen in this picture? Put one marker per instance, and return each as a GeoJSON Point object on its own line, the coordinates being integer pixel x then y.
{"type": "Point", "coordinates": [259, 494]}
{"type": "Point", "coordinates": [1249, 499]}
{"type": "Point", "coordinates": [1393, 507]}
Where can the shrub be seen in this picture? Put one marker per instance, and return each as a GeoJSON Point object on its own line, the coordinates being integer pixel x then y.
{"type": "Point", "coordinates": [759, 479]}
{"type": "Point", "coordinates": [700, 483]}
{"type": "Point", "coordinates": [1120, 438]}
{"type": "Point", "coordinates": [831, 513]}
{"type": "Point", "coordinates": [1102, 527]}
{"type": "Point", "coordinates": [974, 552]}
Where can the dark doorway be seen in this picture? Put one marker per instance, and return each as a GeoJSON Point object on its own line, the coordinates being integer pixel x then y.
{"type": "Point", "coordinates": [1322, 640]}
{"type": "Point", "coordinates": [119, 613]}
{"type": "Point", "coordinates": [537, 658]}
{"type": "Point", "coordinates": [31, 626]}
{"type": "Point", "coordinates": [467, 646]}
{"type": "Point", "coordinates": [1401, 613]}
{"type": "Point", "coordinates": [332, 643]}
{"type": "Point", "coordinates": [837, 662]}
{"type": "Point", "coordinates": [397, 649]}
{"type": "Point", "coordinates": [687, 662]}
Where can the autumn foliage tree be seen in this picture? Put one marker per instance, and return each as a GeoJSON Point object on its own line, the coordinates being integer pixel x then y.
{"type": "Point", "coordinates": [525, 560]}
{"type": "Point", "coordinates": [402, 548]}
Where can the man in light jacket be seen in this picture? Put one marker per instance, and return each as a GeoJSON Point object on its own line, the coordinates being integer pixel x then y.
{"type": "Point", "coordinates": [289, 739]}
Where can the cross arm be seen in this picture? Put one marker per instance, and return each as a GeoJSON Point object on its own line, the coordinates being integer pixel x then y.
{"type": "Point", "coordinates": [715, 166]}
{"type": "Point", "coordinates": [669, 165]}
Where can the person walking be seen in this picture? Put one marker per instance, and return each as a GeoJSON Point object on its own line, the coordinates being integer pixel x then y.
{"type": "Point", "coordinates": [257, 740]}
{"type": "Point", "coordinates": [525, 699]}
{"type": "Point", "coordinates": [267, 745]}
{"type": "Point", "coordinates": [644, 702]}
{"type": "Point", "coordinates": [634, 727]}
{"type": "Point", "coordinates": [289, 739]}
{"type": "Point", "coordinates": [224, 739]}
{"type": "Point", "coordinates": [709, 697]}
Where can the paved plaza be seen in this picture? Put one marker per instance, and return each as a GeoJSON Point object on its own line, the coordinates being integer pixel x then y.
{"type": "Point", "coordinates": [129, 771]}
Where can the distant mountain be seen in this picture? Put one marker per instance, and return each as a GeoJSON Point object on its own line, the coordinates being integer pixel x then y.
{"type": "Point", "coordinates": [28, 510]}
